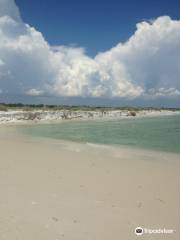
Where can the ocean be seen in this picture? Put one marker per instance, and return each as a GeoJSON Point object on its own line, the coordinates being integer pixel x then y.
{"type": "Point", "coordinates": [155, 133]}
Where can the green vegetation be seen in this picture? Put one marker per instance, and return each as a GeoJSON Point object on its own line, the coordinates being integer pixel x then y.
{"type": "Point", "coordinates": [132, 113]}
{"type": "Point", "coordinates": [3, 108]}
{"type": "Point", "coordinates": [30, 107]}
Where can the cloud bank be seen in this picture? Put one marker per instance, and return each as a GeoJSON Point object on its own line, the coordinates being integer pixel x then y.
{"type": "Point", "coordinates": [146, 66]}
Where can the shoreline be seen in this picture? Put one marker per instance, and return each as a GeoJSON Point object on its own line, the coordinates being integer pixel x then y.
{"type": "Point", "coordinates": [10, 129]}
{"type": "Point", "coordinates": [17, 135]}
{"type": "Point", "coordinates": [70, 144]}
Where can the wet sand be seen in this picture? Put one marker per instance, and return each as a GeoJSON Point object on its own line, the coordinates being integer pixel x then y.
{"type": "Point", "coordinates": [55, 190]}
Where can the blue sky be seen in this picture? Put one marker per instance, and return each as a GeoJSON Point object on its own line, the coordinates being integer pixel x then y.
{"type": "Point", "coordinates": [90, 52]}
{"type": "Point", "coordinates": [96, 25]}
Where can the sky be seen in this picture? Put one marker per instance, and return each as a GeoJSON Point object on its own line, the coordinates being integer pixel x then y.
{"type": "Point", "coordinates": [90, 52]}
{"type": "Point", "coordinates": [96, 25]}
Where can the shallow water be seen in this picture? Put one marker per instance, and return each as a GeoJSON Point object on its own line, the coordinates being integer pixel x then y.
{"type": "Point", "coordinates": [156, 133]}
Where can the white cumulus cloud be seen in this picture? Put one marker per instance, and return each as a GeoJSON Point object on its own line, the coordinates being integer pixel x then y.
{"type": "Point", "coordinates": [34, 92]}
{"type": "Point", "coordinates": [147, 65]}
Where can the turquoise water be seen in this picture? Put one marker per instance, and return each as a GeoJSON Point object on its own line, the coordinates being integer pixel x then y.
{"type": "Point", "coordinates": [158, 133]}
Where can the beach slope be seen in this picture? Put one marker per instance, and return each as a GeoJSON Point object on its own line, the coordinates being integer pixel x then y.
{"type": "Point", "coordinates": [53, 191]}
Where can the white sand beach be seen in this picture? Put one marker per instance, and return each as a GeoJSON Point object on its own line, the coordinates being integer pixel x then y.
{"type": "Point", "coordinates": [89, 120]}
{"type": "Point", "coordinates": [43, 116]}
{"type": "Point", "coordinates": [55, 190]}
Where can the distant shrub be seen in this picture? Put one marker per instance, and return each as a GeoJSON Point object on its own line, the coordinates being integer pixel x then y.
{"type": "Point", "coordinates": [3, 108]}
{"type": "Point", "coordinates": [90, 114]}
{"type": "Point", "coordinates": [31, 116]}
{"type": "Point", "coordinates": [132, 113]}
